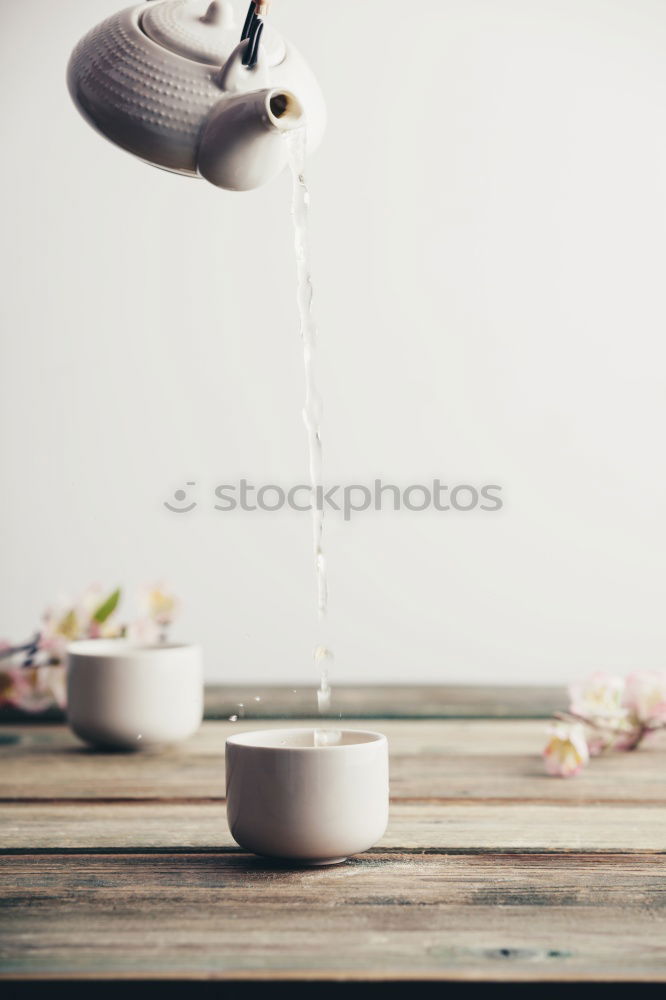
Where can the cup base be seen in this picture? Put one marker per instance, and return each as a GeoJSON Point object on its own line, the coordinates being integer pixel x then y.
{"type": "Point", "coordinates": [309, 863]}
{"type": "Point", "coordinates": [300, 862]}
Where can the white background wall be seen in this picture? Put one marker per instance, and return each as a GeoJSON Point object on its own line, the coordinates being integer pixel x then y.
{"type": "Point", "coordinates": [488, 230]}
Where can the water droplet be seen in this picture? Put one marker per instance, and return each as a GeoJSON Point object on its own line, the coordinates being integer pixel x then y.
{"type": "Point", "coordinates": [327, 737]}
{"type": "Point", "coordinates": [324, 699]}
{"type": "Point", "coordinates": [233, 718]}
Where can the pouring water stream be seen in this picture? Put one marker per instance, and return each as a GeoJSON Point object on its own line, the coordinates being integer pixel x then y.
{"type": "Point", "coordinates": [296, 141]}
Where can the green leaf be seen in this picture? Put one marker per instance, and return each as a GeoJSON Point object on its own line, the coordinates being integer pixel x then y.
{"type": "Point", "coordinates": [107, 607]}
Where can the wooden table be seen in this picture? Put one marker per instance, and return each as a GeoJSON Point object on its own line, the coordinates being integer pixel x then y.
{"type": "Point", "coordinates": [123, 866]}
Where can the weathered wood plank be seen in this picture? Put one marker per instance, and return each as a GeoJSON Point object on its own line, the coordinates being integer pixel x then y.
{"type": "Point", "coordinates": [447, 760]}
{"type": "Point", "coordinates": [487, 917]}
{"type": "Point", "coordinates": [446, 701]}
{"type": "Point", "coordinates": [412, 826]}
{"type": "Point", "coordinates": [407, 736]}
{"type": "Point", "coordinates": [388, 701]}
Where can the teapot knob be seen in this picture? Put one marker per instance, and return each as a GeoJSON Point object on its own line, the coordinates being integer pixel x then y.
{"type": "Point", "coordinates": [219, 12]}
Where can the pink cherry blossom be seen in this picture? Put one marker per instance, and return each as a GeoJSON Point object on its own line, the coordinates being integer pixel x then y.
{"type": "Point", "coordinates": [60, 626]}
{"type": "Point", "coordinates": [33, 689]}
{"type": "Point", "coordinates": [645, 697]}
{"type": "Point", "coordinates": [596, 743]}
{"type": "Point", "coordinates": [33, 676]}
{"type": "Point", "coordinates": [160, 604]}
{"type": "Point", "coordinates": [143, 632]}
{"type": "Point", "coordinates": [14, 686]}
{"type": "Point", "coordinates": [599, 699]}
{"type": "Point", "coordinates": [566, 752]}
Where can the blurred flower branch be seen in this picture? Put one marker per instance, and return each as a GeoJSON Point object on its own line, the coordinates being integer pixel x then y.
{"type": "Point", "coordinates": [605, 713]}
{"type": "Point", "coordinates": [32, 674]}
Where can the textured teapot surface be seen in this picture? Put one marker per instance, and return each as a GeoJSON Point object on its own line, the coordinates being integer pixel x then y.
{"type": "Point", "coordinates": [205, 33]}
{"type": "Point", "coordinates": [155, 79]}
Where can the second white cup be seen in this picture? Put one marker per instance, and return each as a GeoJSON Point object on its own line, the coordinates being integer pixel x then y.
{"type": "Point", "coordinates": [128, 697]}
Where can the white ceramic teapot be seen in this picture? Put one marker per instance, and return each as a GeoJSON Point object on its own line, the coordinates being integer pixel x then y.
{"type": "Point", "coordinates": [170, 81]}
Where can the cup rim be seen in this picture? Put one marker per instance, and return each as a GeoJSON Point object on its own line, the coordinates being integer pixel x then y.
{"type": "Point", "coordinates": [108, 649]}
{"type": "Point", "coordinates": [239, 740]}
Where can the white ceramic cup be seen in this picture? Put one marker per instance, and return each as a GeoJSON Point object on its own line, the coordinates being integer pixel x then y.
{"type": "Point", "coordinates": [129, 697]}
{"type": "Point", "coordinates": [289, 798]}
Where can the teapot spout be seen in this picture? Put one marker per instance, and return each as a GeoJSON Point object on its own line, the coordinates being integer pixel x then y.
{"type": "Point", "coordinates": [242, 141]}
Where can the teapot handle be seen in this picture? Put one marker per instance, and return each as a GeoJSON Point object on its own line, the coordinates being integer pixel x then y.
{"type": "Point", "coordinates": [236, 77]}
{"type": "Point", "coordinates": [253, 30]}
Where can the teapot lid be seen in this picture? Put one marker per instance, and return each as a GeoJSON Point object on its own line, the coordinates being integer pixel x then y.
{"type": "Point", "coordinates": [203, 31]}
